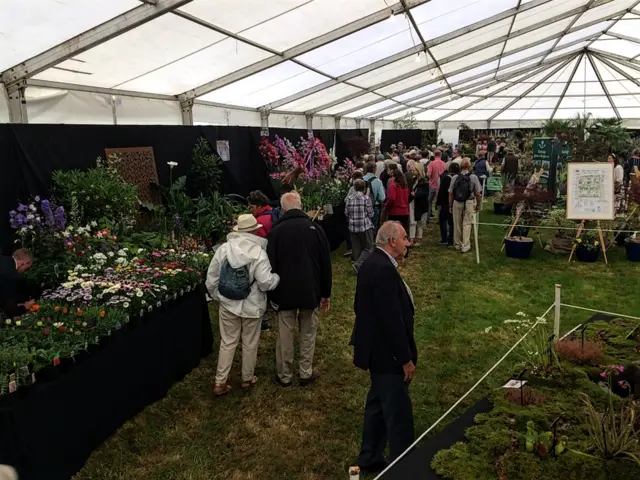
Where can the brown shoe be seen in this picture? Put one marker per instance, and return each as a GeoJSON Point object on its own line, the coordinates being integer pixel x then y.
{"type": "Point", "coordinates": [220, 390]}
{"type": "Point", "coordinates": [276, 379]}
{"type": "Point", "coordinates": [308, 381]}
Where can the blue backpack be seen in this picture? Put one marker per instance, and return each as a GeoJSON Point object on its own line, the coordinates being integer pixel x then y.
{"type": "Point", "coordinates": [235, 283]}
{"type": "Point", "coordinates": [276, 214]}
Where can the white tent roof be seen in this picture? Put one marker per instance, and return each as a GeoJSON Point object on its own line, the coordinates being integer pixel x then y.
{"type": "Point", "coordinates": [438, 60]}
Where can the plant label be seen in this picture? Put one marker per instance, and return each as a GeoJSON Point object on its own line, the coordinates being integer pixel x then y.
{"type": "Point", "coordinates": [514, 384]}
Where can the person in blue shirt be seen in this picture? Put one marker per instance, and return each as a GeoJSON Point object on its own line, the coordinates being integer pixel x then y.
{"type": "Point", "coordinates": [377, 191]}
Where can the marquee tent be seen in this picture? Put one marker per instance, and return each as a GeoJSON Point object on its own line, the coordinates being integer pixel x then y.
{"type": "Point", "coordinates": [319, 63]}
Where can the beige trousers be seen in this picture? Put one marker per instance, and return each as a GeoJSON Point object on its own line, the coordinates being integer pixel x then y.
{"type": "Point", "coordinates": [232, 328]}
{"type": "Point", "coordinates": [308, 321]}
{"type": "Point", "coordinates": [462, 222]}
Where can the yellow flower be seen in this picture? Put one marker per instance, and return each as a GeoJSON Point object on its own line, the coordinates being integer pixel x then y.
{"type": "Point", "coordinates": [579, 240]}
{"type": "Point", "coordinates": [596, 243]}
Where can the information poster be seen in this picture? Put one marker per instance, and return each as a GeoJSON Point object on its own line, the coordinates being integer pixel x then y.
{"type": "Point", "coordinates": [590, 193]}
{"type": "Point", "coordinates": [222, 146]}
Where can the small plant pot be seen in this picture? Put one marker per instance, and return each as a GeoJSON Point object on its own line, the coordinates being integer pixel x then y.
{"type": "Point", "coordinates": [621, 239]}
{"type": "Point", "coordinates": [633, 250]}
{"type": "Point", "coordinates": [502, 208]}
{"type": "Point", "coordinates": [81, 356]}
{"type": "Point", "coordinates": [518, 247]}
{"type": "Point", "coordinates": [48, 374]}
{"type": "Point", "coordinates": [520, 232]}
{"type": "Point", "coordinates": [586, 255]}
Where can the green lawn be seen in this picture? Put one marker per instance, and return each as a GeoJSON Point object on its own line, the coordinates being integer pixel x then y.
{"type": "Point", "coordinates": [314, 432]}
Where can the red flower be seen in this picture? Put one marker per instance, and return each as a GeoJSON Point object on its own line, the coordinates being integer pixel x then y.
{"type": "Point", "coordinates": [62, 329]}
{"type": "Point", "coordinates": [46, 331]}
{"type": "Point", "coordinates": [27, 329]}
{"type": "Point", "coordinates": [56, 361]}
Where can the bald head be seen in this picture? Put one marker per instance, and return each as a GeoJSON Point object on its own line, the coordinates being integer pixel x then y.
{"type": "Point", "coordinates": [291, 201]}
{"type": "Point", "coordinates": [388, 231]}
{"type": "Point", "coordinates": [392, 238]}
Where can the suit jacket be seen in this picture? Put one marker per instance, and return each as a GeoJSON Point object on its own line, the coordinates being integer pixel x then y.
{"type": "Point", "coordinates": [9, 287]}
{"type": "Point", "coordinates": [383, 331]}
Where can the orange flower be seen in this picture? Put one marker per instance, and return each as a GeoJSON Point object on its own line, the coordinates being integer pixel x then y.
{"type": "Point", "coordinates": [102, 313]}
{"type": "Point", "coordinates": [64, 310]}
{"type": "Point", "coordinates": [56, 308]}
{"type": "Point", "coordinates": [35, 307]}
{"type": "Point", "coordinates": [79, 312]}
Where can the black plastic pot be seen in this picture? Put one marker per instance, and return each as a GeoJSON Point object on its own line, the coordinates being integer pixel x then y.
{"type": "Point", "coordinates": [633, 250]}
{"type": "Point", "coordinates": [66, 364]}
{"type": "Point", "coordinates": [502, 208]}
{"type": "Point", "coordinates": [518, 247]}
{"type": "Point", "coordinates": [586, 255]}
{"type": "Point", "coordinates": [48, 374]}
{"type": "Point", "coordinates": [621, 239]}
{"type": "Point", "coordinates": [520, 232]}
{"type": "Point", "coordinates": [93, 348]}
{"type": "Point", "coordinates": [81, 356]}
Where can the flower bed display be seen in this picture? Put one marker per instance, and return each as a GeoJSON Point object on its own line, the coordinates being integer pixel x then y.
{"type": "Point", "coordinates": [575, 418]}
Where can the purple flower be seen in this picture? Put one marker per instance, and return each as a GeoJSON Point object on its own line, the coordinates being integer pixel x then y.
{"type": "Point", "coordinates": [22, 208]}
{"type": "Point", "coordinates": [12, 213]}
{"type": "Point", "coordinates": [59, 218]}
{"type": "Point", "coordinates": [37, 199]}
{"type": "Point", "coordinates": [48, 214]}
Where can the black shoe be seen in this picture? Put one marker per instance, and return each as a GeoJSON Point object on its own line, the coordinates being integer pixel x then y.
{"type": "Point", "coordinates": [308, 381]}
{"type": "Point", "coordinates": [265, 327]}
{"type": "Point", "coordinates": [276, 379]}
{"type": "Point", "coordinates": [441, 242]}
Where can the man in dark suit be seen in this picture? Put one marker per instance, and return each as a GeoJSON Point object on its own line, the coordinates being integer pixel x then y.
{"type": "Point", "coordinates": [10, 270]}
{"type": "Point", "coordinates": [384, 345]}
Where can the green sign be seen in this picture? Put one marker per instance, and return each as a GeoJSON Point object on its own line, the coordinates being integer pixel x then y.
{"type": "Point", "coordinates": [494, 184]}
{"type": "Point", "coordinates": [542, 149]}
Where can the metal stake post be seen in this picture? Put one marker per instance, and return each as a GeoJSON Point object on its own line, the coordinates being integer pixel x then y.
{"type": "Point", "coordinates": [556, 319]}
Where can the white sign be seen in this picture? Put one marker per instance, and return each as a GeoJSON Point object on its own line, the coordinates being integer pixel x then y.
{"type": "Point", "coordinates": [590, 194]}
{"type": "Point", "coordinates": [514, 384]}
{"type": "Point", "coordinates": [264, 131]}
{"type": "Point", "coordinates": [222, 146]}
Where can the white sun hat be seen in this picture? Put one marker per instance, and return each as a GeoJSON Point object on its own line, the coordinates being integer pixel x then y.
{"type": "Point", "coordinates": [247, 223]}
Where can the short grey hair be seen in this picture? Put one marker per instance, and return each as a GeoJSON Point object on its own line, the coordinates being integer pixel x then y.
{"type": "Point", "coordinates": [388, 231]}
{"type": "Point", "coordinates": [291, 201]}
{"type": "Point", "coordinates": [465, 164]}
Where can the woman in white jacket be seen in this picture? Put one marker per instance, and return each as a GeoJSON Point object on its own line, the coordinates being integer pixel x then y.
{"type": "Point", "coordinates": [238, 278]}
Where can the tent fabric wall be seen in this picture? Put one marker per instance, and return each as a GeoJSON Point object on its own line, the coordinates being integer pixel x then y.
{"type": "Point", "coordinates": [146, 111]}
{"type": "Point", "coordinates": [210, 115]}
{"type": "Point", "coordinates": [46, 105]}
{"type": "Point", "coordinates": [4, 107]}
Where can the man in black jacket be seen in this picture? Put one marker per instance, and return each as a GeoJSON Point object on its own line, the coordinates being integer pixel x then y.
{"type": "Point", "coordinates": [10, 270]}
{"type": "Point", "coordinates": [384, 344]}
{"type": "Point", "coordinates": [299, 252]}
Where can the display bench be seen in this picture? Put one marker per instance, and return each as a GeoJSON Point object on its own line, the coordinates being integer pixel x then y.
{"type": "Point", "coordinates": [49, 430]}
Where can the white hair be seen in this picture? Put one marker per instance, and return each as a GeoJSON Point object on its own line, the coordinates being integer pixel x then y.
{"type": "Point", "coordinates": [291, 201]}
{"type": "Point", "coordinates": [388, 231]}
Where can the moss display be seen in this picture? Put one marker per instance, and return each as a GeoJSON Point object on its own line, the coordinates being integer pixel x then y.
{"type": "Point", "coordinates": [496, 447]}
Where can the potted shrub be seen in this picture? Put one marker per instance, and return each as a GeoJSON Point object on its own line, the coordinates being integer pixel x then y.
{"type": "Point", "coordinates": [632, 245]}
{"type": "Point", "coordinates": [587, 248]}
{"type": "Point", "coordinates": [518, 246]}
{"type": "Point", "coordinates": [500, 207]}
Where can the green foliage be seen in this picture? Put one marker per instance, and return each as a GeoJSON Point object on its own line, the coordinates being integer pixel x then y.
{"type": "Point", "coordinates": [557, 217]}
{"type": "Point", "coordinates": [206, 172]}
{"type": "Point", "coordinates": [98, 194]}
{"type": "Point", "coordinates": [406, 123]}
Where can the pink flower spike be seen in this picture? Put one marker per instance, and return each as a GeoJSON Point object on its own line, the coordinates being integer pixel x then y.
{"type": "Point", "coordinates": [603, 374]}
{"type": "Point", "coordinates": [620, 368]}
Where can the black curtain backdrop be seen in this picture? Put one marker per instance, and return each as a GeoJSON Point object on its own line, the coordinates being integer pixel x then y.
{"type": "Point", "coordinates": [49, 432]}
{"type": "Point", "coordinates": [30, 153]}
{"type": "Point", "coordinates": [342, 136]}
{"type": "Point", "coordinates": [410, 138]}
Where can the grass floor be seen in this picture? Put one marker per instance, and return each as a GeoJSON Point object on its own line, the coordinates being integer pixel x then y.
{"type": "Point", "coordinates": [314, 432]}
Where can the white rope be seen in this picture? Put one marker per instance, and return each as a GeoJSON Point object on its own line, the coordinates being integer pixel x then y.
{"type": "Point", "coordinates": [559, 228]}
{"type": "Point", "coordinates": [599, 311]}
{"type": "Point", "coordinates": [464, 396]}
{"type": "Point", "coordinates": [570, 332]}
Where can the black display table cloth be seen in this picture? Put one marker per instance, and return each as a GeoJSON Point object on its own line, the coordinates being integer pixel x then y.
{"type": "Point", "coordinates": [335, 227]}
{"type": "Point", "coordinates": [50, 431]}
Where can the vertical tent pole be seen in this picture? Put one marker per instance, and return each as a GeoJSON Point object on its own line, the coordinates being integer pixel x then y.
{"type": "Point", "coordinates": [476, 219]}
{"type": "Point", "coordinates": [556, 319]}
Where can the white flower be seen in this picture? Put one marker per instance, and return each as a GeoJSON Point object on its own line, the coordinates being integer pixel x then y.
{"type": "Point", "coordinates": [70, 228]}
{"type": "Point", "coordinates": [78, 268]}
{"type": "Point", "coordinates": [111, 254]}
{"type": "Point", "coordinates": [94, 223]}
{"type": "Point", "coordinates": [30, 216]}
{"type": "Point", "coordinates": [487, 330]}
{"type": "Point", "coordinates": [18, 323]}
{"type": "Point", "coordinates": [125, 249]}
{"type": "Point", "coordinates": [58, 324]}
{"type": "Point", "coordinates": [88, 284]}
{"type": "Point", "coordinates": [140, 250]}
{"type": "Point", "coordinates": [122, 253]}
{"type": "Point", "coordinates": [138, 293]}
{"type": "Point", "coordinates": [99, 235]}
{"type": "Point", "coordinates": [521, 314]}
{"type": "Point", "coordinates": [171, 250]}
{"type": "Point", "coordinates": [32, 207]}
{"type": "Point", "coordinates": [143, 302]}
{"type": "Point", "coordinates": [172, 164]}
{"type": "Point", "coordinates": [125, 304]}
{"type": "Point", "coordinates": [8, 321]}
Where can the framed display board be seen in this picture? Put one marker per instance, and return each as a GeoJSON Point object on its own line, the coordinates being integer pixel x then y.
{"type": "Point", "coordinates": [590, 194]}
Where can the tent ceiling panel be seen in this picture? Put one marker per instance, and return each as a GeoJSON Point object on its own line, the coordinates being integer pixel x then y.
{"type": "Point", "coordinates": [30, 28]}
{"type": "Point", "coordinates": [351, 104]}
{"type": "Point", "coordinates": [437, 17]}
{"type": "Point", "coordinates": [131, 55]}
{"type": "Point", "coordinates": [476, 37]}
{"type": "Point", "coordinates": [224, 13]}
{"type": "Point", "coordinates": [628, 27]}
{"type": "Point", "coordinates": [212, 62]}
{"type": "Point", "coordinates": [474, 71]}
{"type": "Point", "coordinates": [630, 112]}
{"type": "Point", "coordinates": [585, 88]}
{"type": "Point", "coordinates": [418, 91]}
{"type": "Point", "coordinates": [623, 87]}
{"type": "Point", "coordinates": [579, 47]}
{"type": "Point", "coordinates": [592, 31]}
{"type": "Point", "coordinates": [492, 102]}
{"type": "Point", "coordinates": [537, 103]}
{"type": "Point", "coordinates": [619, 47]}
{"type": "Point", "coordinates": [431, 115]}
{"type": "Point", "coordinates": [310, 20]}
{"type": "Point", "coordinates": [508, 59]}
{"type": "Point", "coordinates": [472, 59]}
{"type": "Point", "coordinates": [417, 79]}
{"type": "Point", "coordinates": [327, 95]}
{"type": "Point", "coordinates": [465, 115]}
{"type": "Point", "coordinates": [548, 90]}
{"type": "Point", "coordinates": [362, 48]}
{"type": "Point", "coordinates": [544, 32]}
{"type": "Point", "coordinates": [545, 12]}
{"type": "Point", "coordinates": [365, 111]}
{"type": "Point", "coordinates": [607, 74]}
{"type": "Point", "coordinates": [537, 114]}
{"type": "Point", "coordinates": [596, 112]}
{"type": "Point", "coordinates": [267, 86]}
{"type": "Point", "coordinates": [388, 72]}
{"type": "Point", "coordinates": [607, 9]}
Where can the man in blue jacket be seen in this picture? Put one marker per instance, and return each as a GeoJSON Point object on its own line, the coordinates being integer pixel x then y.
{"type": "Point", "coordinates": [375, 190]}
{"type": "Point", "coordinates": [384, 345]}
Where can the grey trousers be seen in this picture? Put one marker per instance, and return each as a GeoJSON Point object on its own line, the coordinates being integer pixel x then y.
{"type": "Point", "coordinates": [362, 245]}
{"type": "Point", "coordinates": [308, 321]}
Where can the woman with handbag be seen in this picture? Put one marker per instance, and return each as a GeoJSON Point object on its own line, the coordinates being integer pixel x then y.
{"type": "Point", "coordinates": [419, 207]}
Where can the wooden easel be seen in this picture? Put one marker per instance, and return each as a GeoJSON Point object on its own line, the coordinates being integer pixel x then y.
{"type": "Point", "coordinates": [600, 235]}
{"type": "Point", "coordinates": [533, 181]}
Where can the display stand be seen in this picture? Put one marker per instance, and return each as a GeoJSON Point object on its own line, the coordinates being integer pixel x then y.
{"type": "Point", "coordinates": [533, 181]}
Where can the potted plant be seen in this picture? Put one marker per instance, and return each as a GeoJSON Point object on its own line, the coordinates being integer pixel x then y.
{"type": "Point", "coordinates": [587, 248]}
{"type": "Point", "coordinates": [500, 205]}
{"type": "Point", "coordinates": [632, 245]}
{"type": "Point", "coordinates": [518, 246]}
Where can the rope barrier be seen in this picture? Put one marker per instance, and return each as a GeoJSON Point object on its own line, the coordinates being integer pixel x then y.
{"type": "Point", "coordinates": [558, 228]}
{"type": "Point", "coordinates": [599, 311]}
{"type": "Point", "coordinates": [465, 395]}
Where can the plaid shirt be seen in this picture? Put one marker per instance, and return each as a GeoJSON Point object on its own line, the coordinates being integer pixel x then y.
{"type": "Point", "coordinates": [359, 213]}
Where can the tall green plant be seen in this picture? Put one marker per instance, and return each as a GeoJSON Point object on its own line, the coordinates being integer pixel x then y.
{"type": "Point", "coordinates": [206, 172]}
